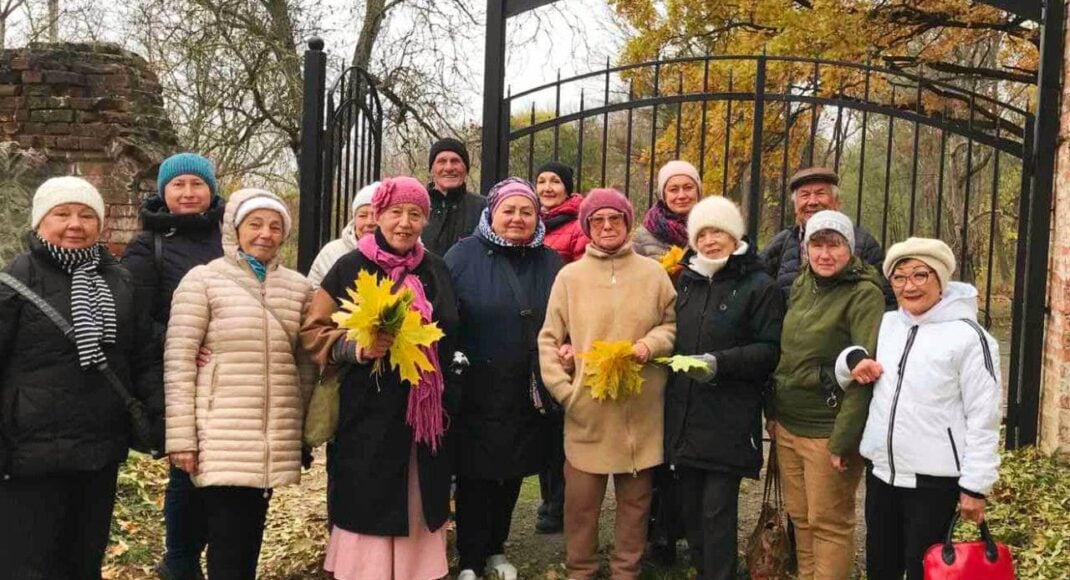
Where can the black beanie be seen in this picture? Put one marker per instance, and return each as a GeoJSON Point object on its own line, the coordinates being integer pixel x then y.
{"type": "Point", "coordinates": [563, 171]}
{"type": "Point", "coordinates": [448, 144]}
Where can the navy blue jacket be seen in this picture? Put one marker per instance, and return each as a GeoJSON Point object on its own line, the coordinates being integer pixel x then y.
{"type": "Point", "coordinates": [500, 432]}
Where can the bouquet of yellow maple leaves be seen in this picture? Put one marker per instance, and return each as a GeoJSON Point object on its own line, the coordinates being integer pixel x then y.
{"type": "Point", "coordinates": [610, 370]}
{"type": "Point", "coordinates": [670, 260]}
{"type": "Point", "coordinates": [375, 307]}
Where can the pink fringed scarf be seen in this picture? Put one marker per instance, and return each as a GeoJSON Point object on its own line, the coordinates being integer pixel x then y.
{"type": "Point", "coordinates": [425, 413]}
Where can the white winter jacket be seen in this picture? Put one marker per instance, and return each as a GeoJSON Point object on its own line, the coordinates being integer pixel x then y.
{"type": "Point", "coordinates": [331, 252]}
{"type": "Point", "coordinates": [244, 411]}
{"type": "Point", "coordinates": [936, 408]}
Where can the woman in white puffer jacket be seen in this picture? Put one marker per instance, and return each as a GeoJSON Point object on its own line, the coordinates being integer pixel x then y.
{"type": "Point", "coordinates": [931, 440]}
{"type": "Point", "coordinates": [235, 423]}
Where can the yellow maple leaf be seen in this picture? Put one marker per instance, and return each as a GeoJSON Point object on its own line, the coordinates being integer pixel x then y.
{"type": "Point", "coordinates": [610, 370]}
{"type": "Point", "coordinates": [670, 260]}
{"type": "Point", "coordinates": [682, 363]}
{"type": "Point", "coordinates": [376, 308]}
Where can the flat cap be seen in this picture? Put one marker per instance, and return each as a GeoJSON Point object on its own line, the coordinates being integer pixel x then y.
{"type": "Point", "coordinates": [812, 174]}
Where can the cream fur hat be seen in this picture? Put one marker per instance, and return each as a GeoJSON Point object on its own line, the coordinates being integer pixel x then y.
{"type": "Point", "coordinates": [715, 212]}
{"type": "Point", "coordinates": [934, 253]}
{"type": "Point", "coordinates": [61, 190]}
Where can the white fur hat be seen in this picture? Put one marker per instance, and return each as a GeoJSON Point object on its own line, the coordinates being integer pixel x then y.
{"type": "Point", "coordinates": [831, 220]}
{"type": "Point", "coordinates": [715, 212]}
{"type": "Point", "coordinates": [364, 196]}
{"type": "Point", "coordinates": [61, 190]}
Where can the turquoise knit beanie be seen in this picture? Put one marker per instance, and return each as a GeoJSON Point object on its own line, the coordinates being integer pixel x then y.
{"type": "Point", "coordinates": [185, 164]}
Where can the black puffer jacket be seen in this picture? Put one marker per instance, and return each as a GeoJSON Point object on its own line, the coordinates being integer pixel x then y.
{"type": "Point", "coordinates": [783, 261]}
{"type": "Point", "coordinates": [368, 461]}
{"type": "Point", "coordinates": [454, 215]}
{"type": "Point", "coordinates": [736, 316]}
{"type": "Point", "coordinates": [54, 416]}
{"type": "Point", "coordinates": [185, 241]}
{"type": "Point", "coordinates": [500, 433]}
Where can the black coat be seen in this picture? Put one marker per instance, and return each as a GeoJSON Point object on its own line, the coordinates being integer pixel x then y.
{"type": "Point", "coordinates": [736, 316]}
{"type": "Point", "coordinates": [185, 241]}
{"type": "Point", "coordinates": [454, 215]}
{"type": "Point", "coordinates": [368, 461]}
{"type": "Point", "coordinates": [500, 433]}
{"type": "Point", "coordinates": [54, 416]}
{"type": "Point", "coordinates": [783, 260]}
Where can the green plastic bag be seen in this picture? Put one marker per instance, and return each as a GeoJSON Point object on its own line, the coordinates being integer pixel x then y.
{"type": "Point", "coordinates": [321, 420]}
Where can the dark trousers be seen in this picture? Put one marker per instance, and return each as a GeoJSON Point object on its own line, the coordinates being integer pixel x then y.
{"type": "Point", "coordinates": [484, 514]}
{"type": "Point", "coordinates": [234, 521]}
{"type": "Point", "coordinates": [56, 526]}
{"type": "Point", "coordinates": [901, 524]}
{"type": "Point", "coordinates": [666, 525]}
{"type": "Point", "coordinates": [710, 502]}
{"type": "Point", "coordinates": [552, 479]}
{"type": "Point", "coordinates": [184, 525]}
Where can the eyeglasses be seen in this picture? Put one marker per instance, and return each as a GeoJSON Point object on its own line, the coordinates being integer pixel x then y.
{"type": "Point", "coordinates": [614, 220]}
{"type": "Point", "coordinates": [918, 277]}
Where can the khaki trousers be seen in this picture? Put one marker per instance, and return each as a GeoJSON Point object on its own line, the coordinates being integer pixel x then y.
{"type": "Point", "coordinates": [821, 503]}
{"type": "Point", "coordinates": [584, 493]}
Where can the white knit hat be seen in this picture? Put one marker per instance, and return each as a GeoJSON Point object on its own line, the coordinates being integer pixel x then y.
{"type": "Point", "coordinates": [831, 220]}
{"type": "Point", "coordinates": [364, 196]}
{"type": "Point", "coordinates": [261, 202]}
{"type": "Point", "coordinates": [61, 190]}
{"type": "Point", "coordinates": [715, 212]}
{"type": "Point", "coordinates": [934, 253]}
{"type": "Point", "coordinates": [674, 168]}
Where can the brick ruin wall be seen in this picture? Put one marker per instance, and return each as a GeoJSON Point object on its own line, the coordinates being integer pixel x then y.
{"type": "Point", "coordinates": [92, 110]}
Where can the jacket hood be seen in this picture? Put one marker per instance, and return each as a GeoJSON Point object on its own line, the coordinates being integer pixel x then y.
{"type": "Point", "coordinates": [230, 230]}
{"type": "Point", "coordinates": [444, 197]}
{"type": "Point", "coordinates": [857, 270]}
{"type": "Point", "coordinates": [958, 302]}
{"type": "Point", "coordinates": [156, 217]}
{"type": "Point", "coordinates": [349, 235]}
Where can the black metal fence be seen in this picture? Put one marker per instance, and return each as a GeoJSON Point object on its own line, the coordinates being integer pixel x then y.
{"type": "Point", "coordinates": [917, 155]}
{"type": "Point", "coordinates": [341, 149]}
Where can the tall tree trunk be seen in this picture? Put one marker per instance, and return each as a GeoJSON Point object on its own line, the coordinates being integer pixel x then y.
{"type": "Point", "coordinates": [374, 14]}
{"type": "Point", "coordinates": [53, 21]}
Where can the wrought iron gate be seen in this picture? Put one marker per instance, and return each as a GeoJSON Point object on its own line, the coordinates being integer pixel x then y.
{"type": "Point", "coordinates": [917, 155]}
{"type": "Point", "coordinates": [341, 149]}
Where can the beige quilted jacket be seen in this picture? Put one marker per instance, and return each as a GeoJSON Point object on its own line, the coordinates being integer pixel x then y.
{"type": "Point", "coordinates": [244, 411]}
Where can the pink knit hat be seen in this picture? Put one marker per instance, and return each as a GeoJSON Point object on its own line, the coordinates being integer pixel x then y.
{"type": "Point", "coordinates": [674, 168]}
{"type": "Point", "coordinates": [600, 199]}
{"type": "Point", "coordinates": [395, 190]}
{"type": "Point", "coordinates": [511, 187]}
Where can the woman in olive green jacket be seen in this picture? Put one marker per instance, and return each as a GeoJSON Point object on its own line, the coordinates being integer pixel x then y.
{"type": "Point", "coordinates": [836, 301]}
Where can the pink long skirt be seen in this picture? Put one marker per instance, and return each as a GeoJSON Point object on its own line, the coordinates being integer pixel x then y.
{"type": "Point", "coordinates": [419, 556]}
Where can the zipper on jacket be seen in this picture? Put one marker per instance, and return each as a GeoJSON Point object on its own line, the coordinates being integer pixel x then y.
{"type": "Point", "coordinates": [267, 395]}
{"type": "Point", "coordinates": [895, 400]}
{"type": "Point", "coordinates": [954, 450]}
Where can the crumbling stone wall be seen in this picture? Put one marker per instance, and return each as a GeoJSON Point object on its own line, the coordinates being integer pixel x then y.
{"type": "Point", "coordinates": [92, 110]}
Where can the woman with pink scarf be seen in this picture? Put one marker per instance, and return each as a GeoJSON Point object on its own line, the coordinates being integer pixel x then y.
{"type": "Point", "coordinates": [389, 463]}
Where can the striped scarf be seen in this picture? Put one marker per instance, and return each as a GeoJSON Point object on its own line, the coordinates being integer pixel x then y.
{"type": "Point", "coordinates": [92, 303]}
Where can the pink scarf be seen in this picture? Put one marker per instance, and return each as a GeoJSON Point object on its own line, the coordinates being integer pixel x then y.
{"type": "Point", "coordinates": [425, 413]}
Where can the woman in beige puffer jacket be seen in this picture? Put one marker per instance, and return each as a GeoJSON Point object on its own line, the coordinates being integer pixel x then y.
{"type": "Point", "coordinates": [235, 423]}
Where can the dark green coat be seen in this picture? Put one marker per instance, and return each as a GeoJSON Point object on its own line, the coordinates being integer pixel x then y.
{"type": "Point", "coordinates": [825, 316]}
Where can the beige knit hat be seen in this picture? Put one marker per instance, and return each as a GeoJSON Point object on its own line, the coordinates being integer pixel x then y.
{"type": "Point", "coordinates": [674, 168]}
{"type": "Point", "coordinates": [61, 190]}
{"type": "Point", "coordinates": [934, 253]}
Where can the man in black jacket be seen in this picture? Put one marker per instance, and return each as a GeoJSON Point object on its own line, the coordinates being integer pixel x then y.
{"type": "Point", "coordinates": [812, 190]}
{"type": "Point", "coordinates": [454, 211]}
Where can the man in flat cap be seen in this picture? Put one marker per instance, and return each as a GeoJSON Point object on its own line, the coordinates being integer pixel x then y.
{"type": "Point", "coordinates": [454, 211]}
{"type": "Point", "coordinates": [812, 190]}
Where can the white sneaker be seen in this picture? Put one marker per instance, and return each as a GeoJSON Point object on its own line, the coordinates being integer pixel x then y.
{"type": "Point", "coordinates": [500, 568]}
{"type": "Point", "coordinates": [467, 575]}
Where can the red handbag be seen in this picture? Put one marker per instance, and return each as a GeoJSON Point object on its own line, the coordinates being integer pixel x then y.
{"type": "Point", "coordinates": [983, 559]}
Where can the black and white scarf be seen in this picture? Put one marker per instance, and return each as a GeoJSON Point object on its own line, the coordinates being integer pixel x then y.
{"type": "Point", "coordinates": [92, 303]}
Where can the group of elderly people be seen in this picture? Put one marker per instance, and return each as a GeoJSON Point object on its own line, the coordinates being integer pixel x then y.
{"type": "Point", "coordinates": [201, 330]}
